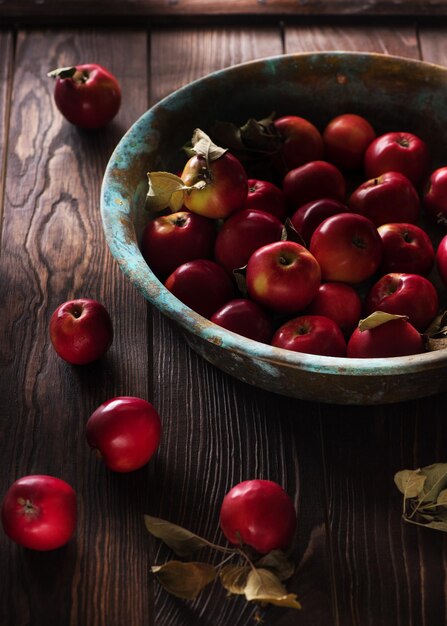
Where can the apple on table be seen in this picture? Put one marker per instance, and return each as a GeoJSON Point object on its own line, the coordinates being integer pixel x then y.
{"type": "Point", "coordinates": [81, 330]}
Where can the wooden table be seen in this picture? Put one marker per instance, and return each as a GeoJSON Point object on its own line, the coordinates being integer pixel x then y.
{"type": "Point", "coordinates": [357, 563]}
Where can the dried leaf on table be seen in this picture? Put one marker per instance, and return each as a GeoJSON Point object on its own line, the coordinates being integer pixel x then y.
{"type": "Point", "coordinates": [184, 580]}
{"type": "Point", "coordinates": [182, 541]}
{"type": "Point", "coordinates": [263, 586]}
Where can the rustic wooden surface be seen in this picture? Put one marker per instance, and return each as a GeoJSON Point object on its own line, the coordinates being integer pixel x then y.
{"type": "Point", "coordinates": [187, 10]}
{"type": "Point", "coordinates": [357, 564]}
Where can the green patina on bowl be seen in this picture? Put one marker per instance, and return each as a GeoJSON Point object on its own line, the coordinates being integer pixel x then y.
{"type": "Point", "coordinates": [394, 93]}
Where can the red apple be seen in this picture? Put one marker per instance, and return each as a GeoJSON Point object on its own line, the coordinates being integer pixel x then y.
{"type": "Point", "coordinates": [411, 295]}
{"type": "Point", "coordinates": [260, 514]}
{"type": "Point", "coordinates": [81, 331]}
{"type": "Point", "coordinates": [307, 217]}
{"type": "Point", "coordinates": [225, 185]}
{"type": "Point", "coordinates": [396, 337]}
{"type": "Point", "coordinates": [126, 431]}
{"type": "Point", "coordinates": [435, 196]}
{"type": "Point", "coordinates": [441, 259]}
{"type": "Point", "coordinates": [170, 240]}
{"type": "Point", "coordinates": [406, 248]}
{"type": "Point", "coordinates": [202, 285]}
{"type": "Point", "coordinates": [246, 318]}
{"type": "Point", "coordinates": [242, 234]}
{"type": "Point", "coordinates": [39, 512]}
{"type": "Point", "coordinates": [346, 138]}
{"type": "Point", "coordinates": [340, 302]}
{"type": "Point", "coordinates": [283, 276]}
{"type": "Point", "coordinates": [347, 247]}
{"type": "Point", "coordinates": [312, 334]}
{"type": "Point", "coordinates": [390, 197]}
{"type": "Point", "coordinates": [302, 141]}
{"type": "Point", "coordinates": [398, 152]}
{"type": "Point", "coordinates": [312, 181]}
{"type": "Point", "coordinates": [265, 196]}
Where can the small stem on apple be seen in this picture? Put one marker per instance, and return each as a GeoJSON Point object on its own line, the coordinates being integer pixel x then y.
{"type": "Point", "coordinates": [359, 243]}
{"type": "Point", "coordinates": [404, 142]}
{"type": "Point", "coordinates": [284, 260]}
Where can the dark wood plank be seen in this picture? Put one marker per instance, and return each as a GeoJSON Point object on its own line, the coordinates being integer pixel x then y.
{"type": "Point", "coordinates": [6, 71]}
{"type": "Point", "coordinates": [385, 572]}
{"type": "Point", "coordinates": [222, 431]}
{"type": "Point", "coordinates": [396, 39]}
{"type": "Point", "coordinates": [53, 249]}
{"type": "Point", "coordinates": [187, 9]}
{"type": "Point", "coordinates": [433, 44]}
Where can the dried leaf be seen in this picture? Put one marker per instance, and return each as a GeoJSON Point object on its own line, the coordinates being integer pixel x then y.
{"type": "Point", "coordinates": [264, 586]}
{"type": "Point", "coordinates": [165, 190]}
{"type": "Point", "coordinates": [203, 145]}
{"type": "Point", "coordinates": [234, 578]}
{"type": "Point", "coordinates": [277, 562]}
{"type": "Point", "coordinates": [442, 498]}
{"type": "Point", "coordinates": [436, 343]}
{"type": "Point", "coordinates": [239, 275]}
{"type": "Point", "coordinates": [438, 327]}
{"type": "Point", "coordinates": [289, 233]}
{"type": "Point", "coordinates": [410, 482]}
{"type": "Point", "coordinates": [181, 541]}
{"type": "Point", "coordinates": [256, 144]}
{"type": "Point", "coordinates": [437, 525]}
{"type": "Point", "coordinates": [184, 580]}
{"type": "Point", "coordinates": [261, 135]}
{"type": "Point", "coordinates": [63, 72]}
{"type": "Point", "coordinates": [435, 482]}
{"type": "Point", "coordinates": [377, 319]}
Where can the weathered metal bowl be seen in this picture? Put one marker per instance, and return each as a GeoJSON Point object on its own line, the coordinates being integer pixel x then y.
{"type": "Point", "coordinates": [394, 93]}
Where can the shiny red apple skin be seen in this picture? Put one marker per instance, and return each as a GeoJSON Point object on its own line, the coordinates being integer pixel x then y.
{"type": "Point", "coordinates": [246, 318]}
{"type": "Point", "coordinates": [260, 514]}
{"type": "Point", "coordinates": [347, 247]}
{"type": "Point", "coordinates": [404, 294]}
{"type": "Point", "coordinates": [435, 196]}
{"type": "Point", "coordinates": [301, 141]}
{"type": "Point", "coordinates": [126, 431]}
{"type": "Point", "coordinates": [81, 331]}
{"type": "Point", "coordinates": [311, 334]}
{"type": "Point", "coordinates": [39, 512]}
{"type": "Point", "coordinates": [265, 196]}
{"type": "Point", "coordinates": [226, 186]}
{"type": "Point", "coordinates": [406, 248]}
{"type": "Point", "coordinates": [393, 338]}
{"type": "Point", "coordinates": [307, 217]}
{"type": "Point", "coordinates": [283, 277]}
{"type": "Point", "coordinates": [242, 234]}
{"type": "Point", "coordinates": [401, 152]}
{"type": "Point", "coordinates": [441, 259]}
{"type": "Point", "coordinates": [203, 285]}
{"type": "Point", "coordinates": [171, 240]}
{"type": "Point", "coordinates": [346, 138]}
{"type": "Point", "coordinates": [340, 302]}
{"type": "Point", "coordinates": [312, 181]}
{"type": "Point", "coordinates": [390, 197]}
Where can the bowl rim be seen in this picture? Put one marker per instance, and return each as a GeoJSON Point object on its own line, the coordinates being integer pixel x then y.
{"type": "Point", "coordinates": [115, 210]}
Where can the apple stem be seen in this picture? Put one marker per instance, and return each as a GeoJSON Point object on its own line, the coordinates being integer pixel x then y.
{"type": "Point", "coordinates": [28, 508]}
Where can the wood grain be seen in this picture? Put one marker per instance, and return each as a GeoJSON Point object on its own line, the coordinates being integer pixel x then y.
{"type": "Point", "coordinates": [360, 38]}
{"type": "Point", "coordinates": [131, 10]}
{"type": "Point", "coordinates": [53, 249]}
{"type": "Point", "coordinates": [6, 72]}
{"type": "Point", "coordinates": [220, 431]}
